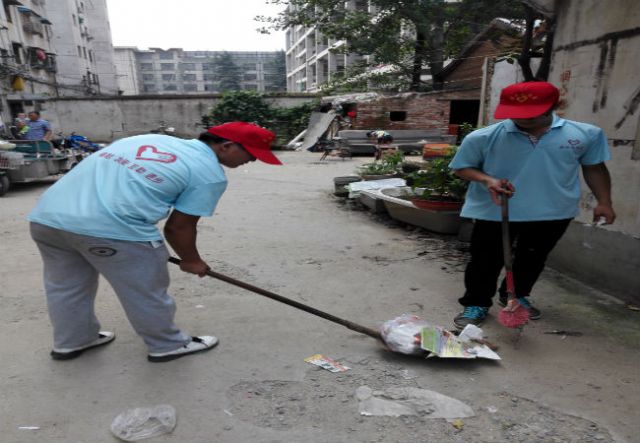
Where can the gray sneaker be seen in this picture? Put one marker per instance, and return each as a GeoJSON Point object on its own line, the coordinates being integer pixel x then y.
{"type": "Point", "coordinates": [534, 313]}
{"type": "Point", "coordinates": [471, 315]}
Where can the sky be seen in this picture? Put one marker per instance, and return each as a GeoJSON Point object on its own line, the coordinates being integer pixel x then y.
{"type": "Point", "coordinates": [216, 25]}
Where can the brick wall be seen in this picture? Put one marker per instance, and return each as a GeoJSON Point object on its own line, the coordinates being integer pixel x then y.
{"type": "Point", "coordinates": [424, 111]}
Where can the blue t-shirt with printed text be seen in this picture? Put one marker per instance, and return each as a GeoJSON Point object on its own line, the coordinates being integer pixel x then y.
{"type": "Point", "coordinates": [123, 190]}
{"type": "Point", "coordinates": [546, 174]}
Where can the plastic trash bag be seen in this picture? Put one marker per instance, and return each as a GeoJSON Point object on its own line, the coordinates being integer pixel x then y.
{"type": "Point", "coordinates": [140, 423]}
{"type": "Point", "coordinates": [402, 334]}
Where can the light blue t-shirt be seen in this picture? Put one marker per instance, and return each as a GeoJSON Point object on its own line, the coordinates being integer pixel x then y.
{"type": "Point", "coordinates": [123, 190]}
{"type": "Point", "coordinates": [37, 129]}
{"type": "Point", "coordinates": [545, 174]}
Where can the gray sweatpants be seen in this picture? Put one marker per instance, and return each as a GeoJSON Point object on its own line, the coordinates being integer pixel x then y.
{"type": "Point", "coordinates": [137, 271]}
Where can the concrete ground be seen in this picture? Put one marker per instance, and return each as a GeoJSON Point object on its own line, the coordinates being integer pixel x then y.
{"type": "Point", "coordinates": [281, 228]}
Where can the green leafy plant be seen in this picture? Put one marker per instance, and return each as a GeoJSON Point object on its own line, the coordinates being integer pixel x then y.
{"type": "Point", "coordinates": [438, 181]}
{"type": "Point", "coordinates": [252, 107]}
{"type": "Point", "coordinates": [389, 164]}
{"type": "Point", "coordinates": [465, 129]}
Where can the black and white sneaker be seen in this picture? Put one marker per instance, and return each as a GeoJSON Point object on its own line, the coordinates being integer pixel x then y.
{"type": "Point", "coordinates": [197, 344]}
{"type": "Point", "coordinates": [104, 338]}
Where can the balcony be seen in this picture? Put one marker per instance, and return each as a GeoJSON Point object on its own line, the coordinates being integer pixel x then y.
{"type": "Point", "coordinates": [31, 27]}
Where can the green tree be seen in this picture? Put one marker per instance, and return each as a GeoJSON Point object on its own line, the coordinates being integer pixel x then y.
{"type": "Point", "coordinates": [245, 106]}
{"type": "Point", "coordinates": [228, 75]}
{"type": "Point", "coordinates": [407, 35]}
{"type": "Point", "coordinates": [276, 73]}
{"type": "Point", "coordinates": [250, 106]}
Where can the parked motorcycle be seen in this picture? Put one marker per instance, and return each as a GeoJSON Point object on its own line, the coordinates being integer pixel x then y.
{"type": "Point", "coordinates": [82, 143]}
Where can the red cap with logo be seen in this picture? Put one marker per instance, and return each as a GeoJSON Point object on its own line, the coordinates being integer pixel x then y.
{"type": "Point", "coordinates": [256, 140]}
{"type": "Point", "coordinates": [526, 100]}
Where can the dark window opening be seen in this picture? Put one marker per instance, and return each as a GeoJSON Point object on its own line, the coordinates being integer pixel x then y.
{"type": "Point", "coordinates": [464, 111]}
{"type": "Point", "coordinates": [398, 116]}
{"type": "Point", "coordinates": [17, 52]}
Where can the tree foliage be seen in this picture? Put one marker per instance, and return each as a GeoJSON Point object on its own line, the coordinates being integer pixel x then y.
{"type": "Point", "coordinates": [277, 71]}
{"type": "Point", "coordinates": [228, 75]}
{"type": "Point", "coordinates": [407, 35]}
{"type": "Point", "coordinates": [250, 106]}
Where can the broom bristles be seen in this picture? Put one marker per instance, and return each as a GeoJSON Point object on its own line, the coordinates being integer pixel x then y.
{"type": "Point", "coordinates": [514, 318]}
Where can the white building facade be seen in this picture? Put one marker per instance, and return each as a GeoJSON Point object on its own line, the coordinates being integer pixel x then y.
{"type": "Point", "coordinates": [27, 59]}
{"type": "Point", "coordinates": [175, 71]}
{"type": "Point", "coordinates": [82, 41]}
{"type": "Point", "coordinates": [313, 59]}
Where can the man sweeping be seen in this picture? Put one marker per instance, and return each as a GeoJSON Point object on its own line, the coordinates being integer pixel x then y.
{"type": "Point", "coordinates": [100, 219]}
{"type": "Point", "coordinates": [534, 157]}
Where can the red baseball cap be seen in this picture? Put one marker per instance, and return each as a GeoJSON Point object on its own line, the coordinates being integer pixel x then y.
{"type": "Point", "coordinates": [256, 140]}
{"type": "Point", "coordinates": [526, 100]}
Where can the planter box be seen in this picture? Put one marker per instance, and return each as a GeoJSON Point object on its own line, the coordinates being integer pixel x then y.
{"type": "Point", "coordinates": [443, 222]}
{"type": "Point", "coordinates": [368, 177]}
{"type": "Point", "coordinates": [436, 205]}
{"type": "Point", "coordinates": [340, 184]}
{"type": "Point", "coordinates": [373, 201]}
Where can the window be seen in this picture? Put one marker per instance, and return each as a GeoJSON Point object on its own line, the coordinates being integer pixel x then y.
{"type": "Point", "coordinates": [146, 66]}
{"type": "Point", "coordinates": [167, 66]}
{"type": "Point", "coordinates": [145, 55]}
{"type": "Point", "coordinates": [189, 66]}
{"type": "Point", "coordinates": [17, 52]}
{"type": "Point", "coordinates": [191, 87]}
{"type": "Point", "coordinates": [50, 63]}
{"type": "Point", "coordinates": [79, 51]}
{"type": "Point", "coordinates": [208, 77]}
{"type": "Point", "coordinates": [189, 77]}
{"type": "Point", "coordinates": [90, 55]}
{"type": "Point", "coordinates": [207, 66]}
{"type": "Point", "coordinates": [75, 20]}
{"type": "Point", "coordinates": [250, 87]}
{"type": "Point", "coordinates": [84, 51]}
{"type": "Point", "coordinates": [170, 87]}
{"type": "Point", "coordinates": [149, 88]}
{"type": "Point", "coordinates": [398, 116]}
{"type": "Point", "coordinates": [169, 77]}
{"type": "Point", "coordinates": [250, 77]}
{"type": "Point", "coordinates": [37, 57]}
{"type": "Point", "coordinates": [148, 77]}
{"type": "Point", "coordinates": [210, 88]}
{"type": "Point", "coordinates": [166, 56]}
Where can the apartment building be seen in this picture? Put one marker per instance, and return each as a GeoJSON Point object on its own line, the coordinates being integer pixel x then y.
{"type": "Point", "coordinates": [312, 59]}
{"type": "Point", "coordinates": [176, 71]}
{"type": "Point", "coordinates": [82, 42]}
{"type": "Point", "coordinates": [27, 59]}
{"type": "Point", "coordinates": [51, 49]}
{"type": "Point", "coordinates": [125, 65]}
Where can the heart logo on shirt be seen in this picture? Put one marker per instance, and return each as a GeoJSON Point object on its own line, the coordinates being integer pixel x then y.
{"type": "Point", "coordinates": [573, 142]}
{"type": "Point", "coordinates": [151, 153]}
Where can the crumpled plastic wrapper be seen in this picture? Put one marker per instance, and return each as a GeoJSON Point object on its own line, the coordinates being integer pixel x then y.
{"type": "Point", "coordinates": [140, 423]}
{"type": "Point", "coordinates": [402, 334]}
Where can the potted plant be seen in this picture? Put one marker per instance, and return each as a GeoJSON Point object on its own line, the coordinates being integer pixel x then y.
{"type": "Point", "coordinates": [387, 167]}
{"type": "Point", "coordinates": [436, 187]}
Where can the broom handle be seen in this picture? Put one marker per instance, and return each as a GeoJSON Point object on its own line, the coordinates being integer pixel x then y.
{"type": "Point", "coordinates": [351, 325]}
{"type": "Point", "coordinates": [506, 245]}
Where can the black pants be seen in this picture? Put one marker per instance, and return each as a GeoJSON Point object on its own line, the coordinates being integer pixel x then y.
{"type": "Point", "coordinates": [531, 241]}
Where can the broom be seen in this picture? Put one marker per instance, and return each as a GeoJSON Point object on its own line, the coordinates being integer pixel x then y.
{"type": "Point", "coordinates": [513, 315]}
